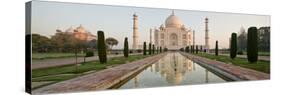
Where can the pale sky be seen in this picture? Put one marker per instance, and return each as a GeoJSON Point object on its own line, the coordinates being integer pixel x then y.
{"type": "Point", "coordinates": [117, 21]}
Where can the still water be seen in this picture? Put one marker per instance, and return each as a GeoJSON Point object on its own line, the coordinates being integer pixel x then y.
{"type": "Point", "coordinates": [173, 69]}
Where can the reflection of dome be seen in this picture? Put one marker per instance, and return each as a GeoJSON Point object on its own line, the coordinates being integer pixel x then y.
{"type": "Point", "coordinates": [173, 21]}
{"type": "Point", "coordinates": [178, 78]}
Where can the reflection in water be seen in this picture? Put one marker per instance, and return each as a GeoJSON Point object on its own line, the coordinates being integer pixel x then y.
{"type": "Point", "coordinates": [206, 76]}
{"type": "Point", "coordinates": [173, 69]}
{"type": "Point", "coordinates": [136, 83]}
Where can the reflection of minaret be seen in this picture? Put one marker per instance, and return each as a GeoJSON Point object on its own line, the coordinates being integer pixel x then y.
{"type": "Point", "coordinates": [157, 66]}
{"type": "Point", "coordinates": [206, 35]}
{"type": "Point", "coordinates": [136, 82]}
{"type": "Point", "coordinates": [135, 32]}
{"type": "Point", "coordinates": [206, 76]}
{"type": "Point", "coordinates": [193, 37]}
{"type": "Point", "coordinates": [194, 68]}
{"type": "Point", "coordinates": [150, 36]}
{"type": "Point", "coordinates": [151, 68]}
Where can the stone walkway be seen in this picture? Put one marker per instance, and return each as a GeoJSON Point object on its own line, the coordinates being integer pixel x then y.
{"type": "Point", "coordinates": [100, 80]}
{"type": "Point", "coordinates": [233, 72]}
{"type": "Point", "coordinates": [36, 64]}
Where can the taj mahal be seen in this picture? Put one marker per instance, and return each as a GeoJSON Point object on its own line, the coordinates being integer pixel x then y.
{"type": "Point", "coordinates": [173, 35]}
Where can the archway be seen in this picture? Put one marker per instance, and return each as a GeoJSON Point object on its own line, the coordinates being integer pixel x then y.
{"type": "Point", "coordinates": [173, 39]}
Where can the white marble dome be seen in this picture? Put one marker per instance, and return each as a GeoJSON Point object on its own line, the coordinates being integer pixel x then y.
{"type": "Point", "coordinates": [173, 21]}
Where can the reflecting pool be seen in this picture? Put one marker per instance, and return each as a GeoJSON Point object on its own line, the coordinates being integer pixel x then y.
{"type": "Point", "coordinates": [173, 69]}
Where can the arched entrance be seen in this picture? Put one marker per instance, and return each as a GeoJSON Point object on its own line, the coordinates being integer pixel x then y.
{"type": "Point", "coordinates": [173, 39]}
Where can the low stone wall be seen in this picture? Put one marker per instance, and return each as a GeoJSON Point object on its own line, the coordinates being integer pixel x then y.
{"type": "Point", "coordinates": [100, 80]}
{"type": "Point", "coordinates": [232, 72]}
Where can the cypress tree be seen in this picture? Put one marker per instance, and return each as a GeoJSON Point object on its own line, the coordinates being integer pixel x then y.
{"type": "Point", "coordinates": [186, 49]}
{"type": "Point", "coordinates": [233, 46]}
{"type": "Point", "coordinates": [126, 48]}
{"type": "Point", "coordinates": [157, 50]}
{"type": "Point", "coordinates": [160, 49]}
{"type": "Point", "coordinates": [252, 45]}
{"type": "Point", "coordinates": [149, 49]}
{"type": "Point", "coordinates": [217, 49]}
{"type": "Point", "coordinates": [153, 49]}
{"type": "Point", "coordinates": [192, 49]}
{"type": "Point", "coordinates": [144, 48]}
{"type": "Point", "coordinates": [101, 47]}
{"type": "Point", "coordinates": [196, 49]}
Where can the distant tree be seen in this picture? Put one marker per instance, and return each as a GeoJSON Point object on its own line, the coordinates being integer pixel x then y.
{"type": "Point", "coordinates": [126, 48]}
{"type": "Point", "coordinates": [233, 46]}
{"type": "Point", "coordinates": [144, 48]}
{"type": "Point", "coordinates": [76, 45]}
{"type": "Point", "coordinates": [252, 49]}
{"type": "Point", "coordinates": [217, 49]}
{"type": "Point", "coordinates": [110, 42]}
{"type": "Point", "coordinates": [66, 42]}
{"type": "Point", "coordinates": [101, 47]}
{"type": "Point", "coordinates": [62, 42]}
{"type": "Point", "coordinates": [88, 54]}
{"type": "Point", "coordinates": [139, 50]}
{"type": "Point", "coordinates": [192, 48]}
{"type": "Point", "coordinates": [149, 49]}
{"type": "Point", "coordinates": [40, 43]}
{"type": "Point", "coordinates": [264, 39]}
{"type": "Point", "coordinates": [165, 49]}
{"type": "Point", "coordinates": [92, 44]}
{"type": "Point", "coordinates": [160, 49]}
{"type": "Point", "coordinates": [181, 49]}
{"type": "Point", "coordinates": [186, 49]}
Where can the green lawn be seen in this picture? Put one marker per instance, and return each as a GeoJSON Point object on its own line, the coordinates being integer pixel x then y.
{"type": "Point", "coordinates": [263, 66]}
{"type": "Point", "coordinates": [62, 73]}
{"type": "Point", "coordinates": [264, 53]}
{"type": "Point", "coordinates": [38, 56]}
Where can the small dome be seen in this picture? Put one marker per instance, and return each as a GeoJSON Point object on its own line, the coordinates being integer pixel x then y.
{"type": "Point", "coordinates": [173, 21]}
{"type": "Point", "coordinates": [80, 29]}
{"type": "Point", "coordinates": [70, 29]}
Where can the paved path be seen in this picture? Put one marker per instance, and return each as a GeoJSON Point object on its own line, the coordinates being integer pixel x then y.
{"type": "Point", "coordinates": [100, 80]}
{"type": "Point", "coordinates": [264, 58]}
{"type": "Point", "coordinates": [36, 64]}
{"type": "Point", "coordinates": [229, 70]}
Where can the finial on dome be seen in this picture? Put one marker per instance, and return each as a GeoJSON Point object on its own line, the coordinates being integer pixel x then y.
{"type": "Point", "coordinates": [134, 14]}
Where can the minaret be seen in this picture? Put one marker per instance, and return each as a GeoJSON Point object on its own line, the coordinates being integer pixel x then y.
{"type": "Point", "coordinates": [150, 36]}
{"type": "Point", "coordinates": [206, 35]}
{"type": "Point", "coordinates": [135, 32]}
